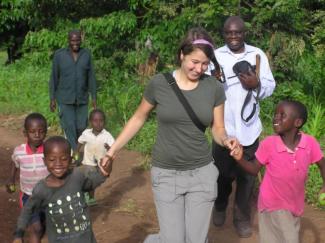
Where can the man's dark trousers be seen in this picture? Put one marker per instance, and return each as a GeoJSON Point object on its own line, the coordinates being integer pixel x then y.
{"type": "Point", "coordinates": [73, 120]}
{"type": "Point", "coordinates": [229, 171]}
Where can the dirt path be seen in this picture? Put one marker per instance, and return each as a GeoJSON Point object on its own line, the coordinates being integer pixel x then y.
{"type": "Point", "coordinates": [125, 211]}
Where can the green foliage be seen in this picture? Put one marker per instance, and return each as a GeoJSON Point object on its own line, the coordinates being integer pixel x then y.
{"type": "Point", "coordinates": [24, 88]}
{"type": "Point", "coordinates": [106, 34]}
{"type": "Point", "coordinates": [314, 184]}
{"type": "Point", "coordinates": [291, 32]}
{"type": "Point", "coordinates": [309, 71]}
{"type": "Point", "coordinates": [11, 13]}
{"type": "Point", "coordinates": [318, 37]}
{"type": "Point", "coordinates": [46, 40]}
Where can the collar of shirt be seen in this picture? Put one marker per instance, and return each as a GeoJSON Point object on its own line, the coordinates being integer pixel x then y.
{"type": "Point", "coordinates": [101, 132]}
{"type": "Point", "coordinates": [280, 146]}
{"type": "Point", "coordinates": [39, 149]}
{"type": "Point", "coordinates": [80, 52]}
{"type": "Point", "coordinates": [247, 49]}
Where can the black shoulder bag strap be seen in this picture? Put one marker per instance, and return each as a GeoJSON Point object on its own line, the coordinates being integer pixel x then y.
{"type": "Point", "coordinates": [250, 93]}
{"type": "Point", "coordinates": [172, 83]}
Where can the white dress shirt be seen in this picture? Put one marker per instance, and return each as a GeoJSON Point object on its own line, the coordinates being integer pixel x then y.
{"type": "Point", "coordinates": [94, 145]}
{"type": "Point", "coordinates": [245, 132]}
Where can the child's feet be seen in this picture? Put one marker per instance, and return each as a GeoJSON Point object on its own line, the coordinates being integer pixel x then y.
{"type": "Point", "coordinates": [91, 201]}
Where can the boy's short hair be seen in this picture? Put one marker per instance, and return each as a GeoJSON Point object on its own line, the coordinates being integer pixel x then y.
{"type": "Point", "coordinates": [94, 111]}
{"type": "Point", "coordinates": [300, 110]}
{"type": "Point", "coordinates": [74, 32]}
{"type": "Point", "coordinates": [59, 140]}
{"type": "Point", "coordinates": [34, 116]}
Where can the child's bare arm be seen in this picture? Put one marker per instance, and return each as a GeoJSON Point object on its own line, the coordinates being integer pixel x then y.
{"type": "Point", "coordinates": [77, 151]}
{"type": "Point", "coordinates": [11, 188]}
{"type": "Point", "coordinates": [252, 167]}
{"type": "Point", "coordinates": [321, 166]}
{"type": "Point", "coordinates": [13, 173]}
{"type": "Point", "coordinates": [80, 147]}
{"type": "Point", "coordinates": [32, 206]}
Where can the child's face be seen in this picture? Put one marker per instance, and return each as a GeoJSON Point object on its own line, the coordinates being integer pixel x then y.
{"type": "Point", "coordinates": [97, 122]}
{"type": "Point", "coordinates": [35, 132]}
{"type": "Point", "coordinates": [57, 160]}
{"type": "Point", "coordinates": [285, 119]}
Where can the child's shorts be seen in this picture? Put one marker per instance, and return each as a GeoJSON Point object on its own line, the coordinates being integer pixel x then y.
{"type": "Point", "coordinates": [36, 217]}
{"type": "Point", "coordinates": [278, 226]}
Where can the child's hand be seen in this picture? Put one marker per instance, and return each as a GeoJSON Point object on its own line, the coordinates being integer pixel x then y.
{"type": "Point", "coordinates": [237, 152]}
{"type": "Point", "coordinates": [11, 187]}
{"type": "Point", "coordinates": [75, 155]}
{"type": "Point", "coordinates": [106, 165]}
{"type": "Point", "coordinates": [107, 147]}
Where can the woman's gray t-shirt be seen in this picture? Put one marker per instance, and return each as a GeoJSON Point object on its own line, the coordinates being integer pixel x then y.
{"type": "Point", "coordinates": [180, 145]}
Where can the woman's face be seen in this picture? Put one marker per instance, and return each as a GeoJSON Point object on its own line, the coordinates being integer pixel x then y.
{"type": "Point", "coordinates": [194, 64]}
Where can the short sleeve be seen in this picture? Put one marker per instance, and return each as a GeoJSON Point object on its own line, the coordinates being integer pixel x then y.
{"type": "Point", "coordinates": [220, 96]}
{"type": "Point", "coordinates": [109, 139]}
{"type": "Point", "coordinates": [83, 138]}
{"type": "Point", "coordinates": [263, 151]}
{"type": "Point", "coordinates": [316, 151]}
{"type": "Point", "coordinates": [149, 92]}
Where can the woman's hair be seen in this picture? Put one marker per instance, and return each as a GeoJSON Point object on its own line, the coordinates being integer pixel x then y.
{"type": "Point", "coordinates": [197, 38]}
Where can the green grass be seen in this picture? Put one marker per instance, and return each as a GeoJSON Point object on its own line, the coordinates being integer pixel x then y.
{"type": "Point", "coordinates": [3, 57]}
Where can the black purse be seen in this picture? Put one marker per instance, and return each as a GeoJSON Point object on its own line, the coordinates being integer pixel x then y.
{"type": "Point", "coordinates": [172, 83]}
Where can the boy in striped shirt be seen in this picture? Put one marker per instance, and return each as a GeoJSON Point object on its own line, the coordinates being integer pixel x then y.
{"type": "Point", "coordinates": [28, 158]}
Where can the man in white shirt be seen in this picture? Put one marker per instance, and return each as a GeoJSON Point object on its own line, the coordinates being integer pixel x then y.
{"type": "Point", "coordinates": [241, 122]}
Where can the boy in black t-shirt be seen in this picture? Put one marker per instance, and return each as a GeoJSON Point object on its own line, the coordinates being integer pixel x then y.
{"type": "Point", "coordinates": [60, 196]}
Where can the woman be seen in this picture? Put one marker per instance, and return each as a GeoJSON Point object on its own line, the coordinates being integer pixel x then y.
{"type": "Point", "coordinates": [184, 178]}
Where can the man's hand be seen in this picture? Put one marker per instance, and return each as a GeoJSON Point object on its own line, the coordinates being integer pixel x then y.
{"type": "Point", "coordinates": [248, 80]}
{"type": "Point", "coordinates": [52, 105]}
{"type": "Point", "coordinates": [94, 104]}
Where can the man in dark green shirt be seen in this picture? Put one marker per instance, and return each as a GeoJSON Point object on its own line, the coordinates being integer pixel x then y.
{"type": "Point", "coordinates": [72, 79]}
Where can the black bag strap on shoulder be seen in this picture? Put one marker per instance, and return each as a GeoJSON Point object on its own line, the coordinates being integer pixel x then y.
{"type": "Point", "coordinates": [172, 83]}
{"type": "Point", "coordinates": [246, 101]}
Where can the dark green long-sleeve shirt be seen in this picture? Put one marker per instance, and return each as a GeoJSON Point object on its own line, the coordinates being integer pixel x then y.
{"type": "Point", "coordinates": [72, 81]}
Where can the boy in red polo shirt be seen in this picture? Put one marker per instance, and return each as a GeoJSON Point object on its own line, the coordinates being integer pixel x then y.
{"type": "Point", "coordinates": [28, 158]}
{"type": "Point", "coordinates": [286, 157]}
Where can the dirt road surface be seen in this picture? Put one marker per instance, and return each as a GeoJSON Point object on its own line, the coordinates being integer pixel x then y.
{"type": "Point", "coordinates": [125, 212]}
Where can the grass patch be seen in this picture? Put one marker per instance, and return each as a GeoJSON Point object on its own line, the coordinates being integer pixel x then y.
{"type": "Point", "coordinates": [130, 207]}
